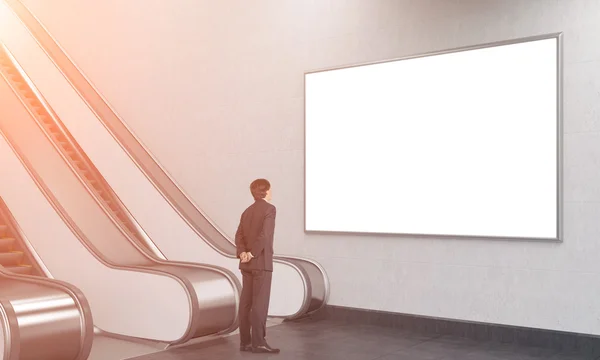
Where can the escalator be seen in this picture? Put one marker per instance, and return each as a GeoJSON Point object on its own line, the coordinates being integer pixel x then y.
{"type": "Point", "coordinates": [169, 224]}
{"type": "Point", "coordinates": [132, 293]}
{"type": "Point", "coordinates": [40, 318]}
{"type": "Point", "coordinates": [14, 255]}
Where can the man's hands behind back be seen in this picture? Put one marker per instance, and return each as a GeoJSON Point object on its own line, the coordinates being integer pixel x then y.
{"type": "Point", "coordinates": [246, 257]}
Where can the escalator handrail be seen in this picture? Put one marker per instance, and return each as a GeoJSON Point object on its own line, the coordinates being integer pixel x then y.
{"type": "Point", "coordinates": [87, 323]}
{"type": "Point", "coordinates": [77, 79]}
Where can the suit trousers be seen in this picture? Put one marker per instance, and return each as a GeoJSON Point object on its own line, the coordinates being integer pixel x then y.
{"type": "Point", "coordinates": [254, 306]}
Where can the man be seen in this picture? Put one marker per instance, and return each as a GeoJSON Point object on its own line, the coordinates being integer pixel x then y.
{"type": "Point", "coordinates": [254, 244]}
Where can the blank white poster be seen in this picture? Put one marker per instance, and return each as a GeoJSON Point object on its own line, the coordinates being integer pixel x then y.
{"type": "Point", "coordinates": [462, 143]}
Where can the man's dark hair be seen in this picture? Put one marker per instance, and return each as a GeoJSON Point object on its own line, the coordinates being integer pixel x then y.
{"type": "Point", "coordinates": [259, 188]}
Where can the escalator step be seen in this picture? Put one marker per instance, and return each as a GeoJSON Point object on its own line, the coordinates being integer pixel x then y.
{"type": "Point", "coordinates": [6, 244]}
{"type": "Point", "coordinates": [3, 229]}
{"type": "Point", "coordinates": [12, 258]}
{"type": "Point", "coordinates": [23, 270]}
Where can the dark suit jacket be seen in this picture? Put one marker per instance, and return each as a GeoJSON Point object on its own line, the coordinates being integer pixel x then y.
{"type": "Point", "coordinates": [255, 234]}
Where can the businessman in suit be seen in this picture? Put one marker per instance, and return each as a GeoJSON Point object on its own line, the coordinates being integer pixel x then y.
{"type": "Point", "coordinates": [254, 245]}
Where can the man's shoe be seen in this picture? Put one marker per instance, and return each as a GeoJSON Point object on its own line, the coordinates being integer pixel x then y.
{"type": "Point", "coordinates": [246, 347]}
{"type": "Point", "coordinates": [265, 349]}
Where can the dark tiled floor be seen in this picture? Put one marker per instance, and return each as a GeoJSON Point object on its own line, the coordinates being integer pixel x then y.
{"type": "Point", "coordinates": [329, 340]}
